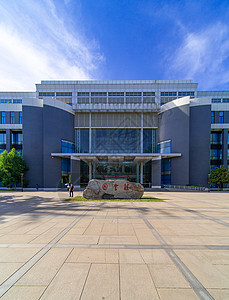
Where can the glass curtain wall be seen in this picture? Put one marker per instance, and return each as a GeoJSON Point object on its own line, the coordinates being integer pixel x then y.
{"type": "Point", "coordinates": [17, 141]}
{"type": "Point", "coordinates": [116, 140]}
{"type": "Point", "coordinates": [216, 154]}
{"type": "Point", "coordinates": [2, 141]}
{"type": "Point", "coordinates": [66, 147]}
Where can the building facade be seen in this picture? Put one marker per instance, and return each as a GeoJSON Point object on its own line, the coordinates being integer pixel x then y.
{"type": "Point", "coordinates": [156, 132]}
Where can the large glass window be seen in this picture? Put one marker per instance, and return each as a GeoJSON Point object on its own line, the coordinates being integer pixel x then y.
{"type": "Point", "coordinates": [12, 119]}
{"type": "Point", "coordinates": [166, 171]}
{"type": "Point", "coordinates": [82, 140]}
{"type": "Point", "coordinates": [216, 149]}
{"type": "Point", "coordinates": [164, 147]}
{"type": "Point", "coordinates": [221, 117]}
{"type": "Point", "coordinates": [212, 117]}
{"type": "Point", "coordinates": [149, 140]}
{"type": "Point", "coordinates": [216, 137]}
{"type": "Point", "coordinates": [20, 117]}
{"type": "Point", "coordinates": [3, 117]}
{"type": "Point", "coordinates": [116, 140]}
{"type": "Point", "coordinates": [47, 94]}
{"type": "Point", "coordinates": [184, 94]}
{"type": "Point", "coordinates": [17, 140]}
{"type": "Point", "coordinates": [2, 141]}
{"type": "Point", "coordinates": [63, 94]}
{"type": "Point", "coordinates": [168, 94]}
{"type": "Point", "coordinates": [216, 100]}
{"type": "Point", "coordinates": [67, 147]}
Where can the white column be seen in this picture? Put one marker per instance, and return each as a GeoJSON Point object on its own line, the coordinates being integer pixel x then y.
{"type": "Point", "coordinates": [141, 172]}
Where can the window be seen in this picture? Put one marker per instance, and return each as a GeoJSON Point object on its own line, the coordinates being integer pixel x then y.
{"type": "Point", "coordinates": [184, 94]}
{"type": "Point", "coordinates": [168, 94]}
{"type": "Point", "coordinates": [133, 94]}
{"type": "Point", "coordinates": [221, 117]}
{"type": "Point", "coordinates": [225, 100]}
{"type": "Point", "coordinates": [3, 118]}
{"type": "Point", "coordinates": [166, 171]}
{"type": "Point", "coordinates": [216, 138]}
{"type": "Point", "coordinates": [148, 94]}
{"type": "Point", "coordinates": [17, 141]}
{"type": "Point", "coordinates": [216, 100]}
{"type": "Point", "coordinates": [5, 101]}
{"type": "Point", "coordinates": [67, 147]}
{"type": "Point", "coordinates": [216, 154]}
{"type": "Point", "coordinates": [20, 117]}
{"type": "Point", "coordinates": [216, 149]}
{"type": "Point", "coordinates": [64, 94]}
{"type": "Point", "coordinates": [164, 147]}
{"type": "Point", "coordinates": [149, 140]}
{"type": "Point", "coordinates": [2, 141]}
{"type": "Point", "coordinates": [212, 117]}
{"type": "Point", "coordinates": [17, 101]}
{"type": "Point", "coordinates": [46, 94]}
{"type": "Point", "coordinates": [117, 140]}
{"type": "Point", "coordinates": [98, 94]}
{"type": "Point", "coordinates": [82, 140]}
{"type": "Point", "coordinates": [12, 118]}
{"type": "Point", "coordinates": [116, 94]}
{"type": "Point", "coordinates": [83, 94]}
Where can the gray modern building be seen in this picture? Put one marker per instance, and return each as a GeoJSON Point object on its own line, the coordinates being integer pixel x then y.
{"type": "Point", "coordinates": [156, 132]}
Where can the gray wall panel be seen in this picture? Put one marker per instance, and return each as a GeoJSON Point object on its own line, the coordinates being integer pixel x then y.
{"type": "Point", "coordinates": [200, 130]}
{"type": "Point", "coordinates": [174, 126]}
{"type": "Point", "coordinates": [156, 172]}
{"type": "Point", "coordinates": [33, 144]}
{"type": "Point", "coordinates": [57, 125]}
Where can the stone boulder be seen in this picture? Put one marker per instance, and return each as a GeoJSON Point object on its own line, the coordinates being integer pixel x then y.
{"type": "Point", "coordinates": [113, 189]}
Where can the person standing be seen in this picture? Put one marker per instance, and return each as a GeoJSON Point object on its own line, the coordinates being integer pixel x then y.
{"type": "Point", "coordinates": [71, 188]}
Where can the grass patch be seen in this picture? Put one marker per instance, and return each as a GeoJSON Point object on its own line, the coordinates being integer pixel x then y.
{"type": "Point", "coordinates": [143, 199]}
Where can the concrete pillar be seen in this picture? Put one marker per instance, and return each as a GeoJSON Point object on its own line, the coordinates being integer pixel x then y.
{"type": "Point", "coordinates": [8, 139]}
{"type": "Point", "coordinates": [156, 173]}
{"type": "Point", "coordinates": [75, 171]}
{"type": "Point", "coordinates": [90, 171]}
{"type": "Point", "coordinates": [141, 172]}
{"type": "Point", "coordinates": [225, 147]}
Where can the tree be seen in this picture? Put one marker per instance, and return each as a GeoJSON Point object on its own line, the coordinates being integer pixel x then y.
{"type": "Point", "coordinates": [219, 176]}
{"type": "Point", "coordinates": [12, 165]}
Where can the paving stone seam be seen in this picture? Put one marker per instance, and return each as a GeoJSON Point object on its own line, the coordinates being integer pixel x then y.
{"type": "Point", "coordinates": [197, 287]}
{"type": "Point", "coordinates": [218, 221]}
{"type": "Point", "coordinates": [119, 246]}
{"type": "Point", "coordinates": [8, 283]}
{"type": "Point", "coordinates": [89, 269]}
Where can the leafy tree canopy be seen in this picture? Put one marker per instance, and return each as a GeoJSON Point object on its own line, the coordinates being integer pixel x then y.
{"type": "Point", "coordinates": [219, 176]}
{"type": "Point", "coordinates": [11, 166]}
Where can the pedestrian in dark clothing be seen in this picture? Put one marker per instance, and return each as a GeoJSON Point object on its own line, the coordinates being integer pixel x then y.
{"type": "Point", "coordinates": [37, 187]}
{"type": "Point", "coordinates": [71, 188]}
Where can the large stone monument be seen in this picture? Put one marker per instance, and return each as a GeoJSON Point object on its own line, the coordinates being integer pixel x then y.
{"type": "Point", "coordinates": [113, 189]}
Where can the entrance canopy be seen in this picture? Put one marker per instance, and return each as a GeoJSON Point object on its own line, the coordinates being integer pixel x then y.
{"type": "Point", "coordinates": [116, 157]}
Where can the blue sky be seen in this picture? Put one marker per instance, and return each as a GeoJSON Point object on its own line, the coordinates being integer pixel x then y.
{"type": "Point", "coordinates": [112, 40]}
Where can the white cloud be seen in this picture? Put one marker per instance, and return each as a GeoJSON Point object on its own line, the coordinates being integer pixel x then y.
{"type": "Point", "coordinates": [36, 44]}
{"type": "Point", "coordinates": [203, 56]}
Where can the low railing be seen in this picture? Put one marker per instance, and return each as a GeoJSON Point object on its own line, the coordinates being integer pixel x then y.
{"type": "Point", "coordinates": [186, 187]}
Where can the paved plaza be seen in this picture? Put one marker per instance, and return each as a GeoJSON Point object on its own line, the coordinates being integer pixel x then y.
{"type": "Point", "coordinates": [172, 250]}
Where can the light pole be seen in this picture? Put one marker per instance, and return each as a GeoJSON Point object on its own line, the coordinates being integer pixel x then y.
{"type": "Point", "coordinates": [22, 174]}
